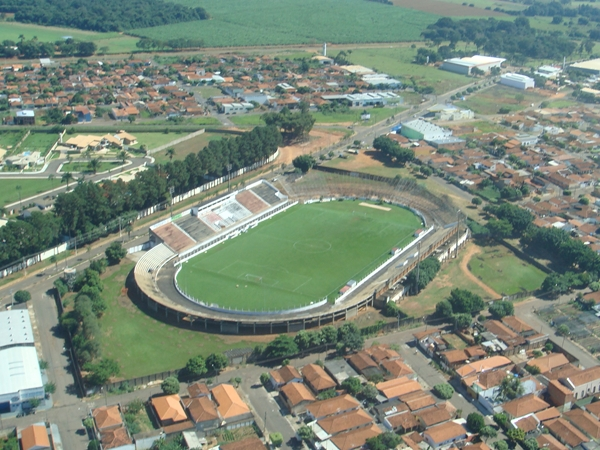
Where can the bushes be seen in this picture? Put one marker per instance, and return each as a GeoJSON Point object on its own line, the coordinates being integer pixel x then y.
{"type": "Point", "coordinates": [475, 422]}
{"type": "Point", "coordinates": [22, 296]}
{"type": "Point", "coordinates": [443, 391]}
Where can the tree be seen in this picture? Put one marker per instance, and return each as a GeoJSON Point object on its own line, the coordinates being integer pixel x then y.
{"type": "Point", "coordinates": [195, 367]}
{"type": "Point", "coordinates": [66, 178]}
{"type": "Point", "coordinates": [50, 388]}
{"type": "Point", "coordinates": [305, 433]}
{"type": "Point", "coordinates": [426, 171]}
{"type": "Point", "coordinates": [501, 308]}
{"type": "Point", "coordinates": [349, 337]}
{"type": "Point", "coordinates": [115, 253]}
{"type": "Point", "coordinates": [217, 361]}
{"type": "Point", "coordinates": [304, 163]}
{"type": "Point", "coordinates": [465, 302]}
{"type": "Point", "coordinates": [488, 432]}
{"type": "Point", "coordinates": [519, 98]}
{"type": "Point", "coordinates": [516, 434]}
{"type": "Point", "coordinates": [532, 369]}
{"type": "Point", "coordinates": [94, 444]}
{"type": "Point", "coordinates": [369, 392]}
{"type": "Point", "coordinates": [500, 445]}
{"type": "Point", "coordinates": [443, 309]}
{"type": "Point", "coordinates": [501, 419]}
{"type": "Point", "coordinates": [34, 402]}
{"type": "Point", "coordinates": [99, 373]}
{"type": "Point", "coordinates": [461, 321]}
{"type": "Point", "coordinates": [392, 149]}
{"type": "Point", "coordinates": [122, 155]}
{"type": "Point", "coordinates": [563, 330]}
{"type": "Point", "coordinates": [511, 388]}
{"type": "Point", "coordinates": [475, 422]}
{"type": "Point", "coordinates": [499, 229]}
{"type": "Point", "coordinates": [170, 386]}
{"type": "Point", "coordinates": [384, 441]}
{"type": "Point", "coordinates": [94, 164]}
{"type": "Point", "coordinates": [22, 296]}
{"type": "Point", "coordinates": [170, 152]}
{"type": "Point", "coordinates": [352, 385]}
{"type": "Point", "coordinates": [555, 284]}
{"type": "Point", "coordinates": [329, 393]}
{"type": "Point", "coordinates": [276, 439]}
{"type": "Point", "coordinates": [88, 422]}
{"type": "Point", "coordinates": [265, 378]}
{"type": "Point", "coordinates": [476, 201]}
{"type": "Point", "coordinates": [443, 391]}
{"type": "Point", "coordinates": [281, 347]}
{"type": "Point", "coordinates": [530, 444]}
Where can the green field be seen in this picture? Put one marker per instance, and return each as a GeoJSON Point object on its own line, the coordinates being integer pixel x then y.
{"type": "Point", "coordinates": [116, 42]}
{"type": "Point", "coordinates": [82, 166]}
{"type": "Point", "coordinates": [165, 348]}
{"type": "Point", "coordinates": [193, 145]}
{"type": "Point", "coordinates": [29, 188]}
{"type": "Point", "coordinates": [299, 256]}
{"type": "Point", "coordinates": [397, 60]}
{"type": "Point", "coordinates": [39, 142]}
{"type": "Point", "coordinates": [489, 101]}
{"type": "Point", "coordinates": [504, 272]}
{"type": "Point", "coordinates": [257, 22]}
{"type": "Point", "coordinates": [9, 139]}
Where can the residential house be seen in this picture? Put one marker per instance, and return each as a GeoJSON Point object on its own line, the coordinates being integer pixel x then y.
{"type": "Point", "coordinates": [559, 394]}
{"type": "Point", "coordinates": [336, 405]}
{"type": "Point", "coordinates": [430, 341]}
{"type": "Point", "coordinates": [434, 415]}
{"type": "Point", "coordinates": [483, 365]}
{"type": "Point", "coordinates": [402, 422]}
{"type": "Point", "coordinates": [584, 383]}
{"type": "Point", "coordinates": [203, 412]}
{"type": "Point", "coordinates": [35, 437]}
{"type": "Point", "coordinates": [232, 409]}
{"type": "Point", "coordinates": [126, 138]}
{"type": "Point", "coordinates": [284, 375]}
{"type": "Point", "coordinates": [339, 370]}
{"type": "Point", "coordinates": [549, 362]}
{"type": "Point", "coordinates": [317, 379]}
{"type": "Point", "coordinates": [585, 422]}
{"type": "Point", "coordinates": [168, 409]}
{"type": "Point", "coordinates": [107, 417]}
{"type": "Point", "coordinates": [444, 434]}
{"type": "Point", "coordinates": [397, 387]}
{"type": "Point", "coordinates": [332, 425]}
{"type": "Point", "coordinates": [82, 113]}
{"type": "Point", "coordinates": [593, 409]}
{"type": "Point", "coordinates": [529, 423]}
{"type": "Point", "coordinates": [566, 432]}
{"type": "Point", "coordinates": [117, 438]}
{"type": "Point", "coordinates": [397, 369]}
{"type": "Point", "coordinates": [25, 117]}
{"type": "Point", "coordinates": [354, 439]}
{"type": "Point", "coordinates": [522, 406]}
{"type": "Point", "coordinates": [454, 358]}
{"type": "Point", "coordinates": [296, 397]}
{"type": "Point", "coordinates": [417, 400]}
{"type": "Point", "coordinates": [390, 408]}
{"type": "Point", "coordinates": [381, 353]}
{"type": "Point", "coordinates": [364, 364]}
{"type": "Point", "coordinates": [549, 442]}
{"type": "Point", "coordinates": [197, 390]}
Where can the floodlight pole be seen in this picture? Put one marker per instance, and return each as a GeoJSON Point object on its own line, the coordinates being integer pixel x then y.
{"type": "Point", "coordinates": [418, 266]}
{"type": "Point", "coordinates": [171, 191]}
{"type": "Point", "coordinates": [229, 166]}
{"type": "Point", "coordinates": [457, 232]}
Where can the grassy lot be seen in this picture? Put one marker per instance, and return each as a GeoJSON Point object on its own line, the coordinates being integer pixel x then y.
{"type": "Point", "coordinates": [298, 257]}
{"type": "Point", "coordinates": [449, 277]}
{"type": "Point", "coordinates": [143, 345]}
{"type": "Point", "coordinates": [292, 22]}
{"type": "Point", "coordinates": [39, 142]}
{"type": "Point", "coordinates": [353, 115]}
{"type": "Point", "coordinates": [156, 139]}
{"type": "Point", "coordinates": [504, 272]}
{"type": "Point", "coordinates": [116, 42]}
{"type": "Point", "coordinates": [9, 139]}
{"type": "Point", "coordinates": [397, 61]}
{"type": "Point", "coordinates": [76, 166]}
{"type": "Point", "coordinates": [491, 100]}
{"type": "Point", "coordinates": [193, 145]}
{"type": "Point", "coordinates": [568, 102]}
{"type": "Point", "coordinates": [29, 188]}
{"type": "Point", "coordinates": [247, 119]}
{"type": "Point", "coordinates": [490, 193]}
{"type": "Point", "coordinates": [455, 341]}
{"type": "Point", "coordinates": [485, 127]}
{"type": "Point", "coordinates": [208, 91]}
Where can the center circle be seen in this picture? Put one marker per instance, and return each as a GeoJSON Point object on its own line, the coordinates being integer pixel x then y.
{"type": "Point", "coordinates": [312, 246]}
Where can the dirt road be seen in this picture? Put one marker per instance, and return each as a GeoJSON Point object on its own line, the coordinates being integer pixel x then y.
{"type": "Point", "coordinates": [471, 251]}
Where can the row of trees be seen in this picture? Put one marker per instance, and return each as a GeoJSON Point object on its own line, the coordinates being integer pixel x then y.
{"type": "Point", "coordinates": [91, 206]}
{"type": "Point", "coordinates": [108, 15]}
{"type": "Point", "coordinates": [176, 44]}
{"type": "Point", "coordinates": [427, 271]}
{"type": "Point", "coordinates": [30, 49]}
{"type": "Point", "coordinates": [501, 37]}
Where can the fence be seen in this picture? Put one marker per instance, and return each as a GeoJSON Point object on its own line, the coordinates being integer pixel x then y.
{"type": "Point", "coordinates": [141, 381]}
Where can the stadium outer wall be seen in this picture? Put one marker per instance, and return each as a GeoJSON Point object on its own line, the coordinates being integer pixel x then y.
{"type": "Point", "coordinates": [159, 295]}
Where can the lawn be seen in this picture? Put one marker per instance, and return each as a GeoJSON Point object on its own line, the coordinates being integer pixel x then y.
{"type": "Point", "coordinates": [153, 140]}
{"type": "Point", "coordinates": [82, 166]}
{"type": "Point", "coordinates": [116, 42]}
{"type": "Point", "coordinates": [300, 256]}
{"type": "Point", "coordinates": [397, 61]}
{"type": "Point", "coordinates": [39, 142]}
{"type": "Point", "coordinates": [291, 22]}
{"type": "Point", "coordinates": [353, 115]}
{"type": "Point", "coordinates": [449, 277]}
{"type": "Point", "coordinates": [504, 272]}
{"type": "Point", "coordinates": [29, 188]}
{"type": "Point", "coordinates": [193, 145]}
{"type": "Point", "coordinates": [247, 119]}
{"type": "Point", "coordinates": [489, 101]}
{"type": "Point", "coordinates": [8, 139]}
{"type": "Point", "coordinates": [143, 345]}
{"type": "Point", "coordinates": [208, 91]}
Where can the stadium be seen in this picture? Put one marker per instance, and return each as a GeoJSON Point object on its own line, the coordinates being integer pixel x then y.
{"type": "Point", "coordinates": [301, 252]}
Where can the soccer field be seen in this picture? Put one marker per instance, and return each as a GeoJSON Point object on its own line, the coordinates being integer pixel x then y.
{"type": "Point", "coordinates": [299, 256]}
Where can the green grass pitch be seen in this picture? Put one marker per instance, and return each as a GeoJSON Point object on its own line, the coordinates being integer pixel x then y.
{"type": "Point", "coordinates": [297, 257]}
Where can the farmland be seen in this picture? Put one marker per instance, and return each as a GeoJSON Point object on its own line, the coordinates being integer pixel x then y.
{"type": "Point", "coordinates": [448, 8]}
{"type": "Point", "coordinates": [234, 23]}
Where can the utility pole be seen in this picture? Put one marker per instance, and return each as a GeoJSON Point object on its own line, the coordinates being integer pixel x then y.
{"type": "Point", "coordinates": [418, 266]}
{"type": "Point", "coordinates": [457, 232]}
{"type": "Point", "coordinates": [171, 191]}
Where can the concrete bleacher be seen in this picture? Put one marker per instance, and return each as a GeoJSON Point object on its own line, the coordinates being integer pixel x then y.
{"type": "Point", "coordinates": [153, 258]}
{"type": "Point", "coordinates": [195, 228]}
{"type": "Point", "coordinates": [174, 237]}
{"type": "Point", "coordinates": [251, 201]}
{"type": "Point", "coordinates": [267, 193]}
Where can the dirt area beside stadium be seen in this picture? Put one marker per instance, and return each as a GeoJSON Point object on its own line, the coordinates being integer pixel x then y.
{"type": "Point", "coordinates": [318, 140]}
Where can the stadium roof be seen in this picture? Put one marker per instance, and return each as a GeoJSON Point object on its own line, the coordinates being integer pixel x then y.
{"type": "Point", "coordinates": [19, 370]}
{"type": "Point", "coordinates": [15, 328]}
{"type": "Point", "coordinates": [592, 64]}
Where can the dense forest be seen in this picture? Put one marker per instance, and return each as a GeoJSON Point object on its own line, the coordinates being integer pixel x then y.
{"type": "Point", "coordinates": [92, 205]}
{"type": "Point", "coordinates": [107, 15]}
{"type": "Point", "coordinates": [497, 37]}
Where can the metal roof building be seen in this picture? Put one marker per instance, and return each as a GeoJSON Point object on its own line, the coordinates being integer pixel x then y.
{"type": "Point", "coordinates": [20, 376]}
{"type": "Point", "coordinates": [465, 65]}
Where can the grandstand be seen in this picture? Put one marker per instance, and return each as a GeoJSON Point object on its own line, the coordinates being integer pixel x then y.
{"type": "Point", "coordinates": [150, 263]}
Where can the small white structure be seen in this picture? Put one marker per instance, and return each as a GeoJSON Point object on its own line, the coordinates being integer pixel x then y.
{"type": "Point", "coordinates": [548, 71]}
{"type": "Point", "coordinates": [517, 81]}
{"type": "Point", "coordinates": [465, 65]}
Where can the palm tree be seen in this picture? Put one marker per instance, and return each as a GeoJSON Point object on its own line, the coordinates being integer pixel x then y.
{"type": "Point", "coordinates": [95, 164]}
{"type": "Point", "coordinates": [122, 155]}
{"type": "Point", "coordinates": [66, 178]}
{"type": "Point", "coordinates": [170, 153]}
{"type": "Point", "coordinates": [511, 388]}
{"type": "Point", "coordinates": [51, 177]}
{"type": "Point", "coordinates": [19, 192]}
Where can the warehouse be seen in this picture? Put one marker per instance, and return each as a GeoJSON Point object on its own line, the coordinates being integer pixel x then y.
{"type": "Point", "coordinates": [465, 65]}
{"type": "Point", "coordinates": [517, 81]}
{"type": "Point", "coordinates": [592, 66]}
{"type": "Point", "coordinates": [420, 129]}
{"type": "Point", "coordinates": [20, 377]}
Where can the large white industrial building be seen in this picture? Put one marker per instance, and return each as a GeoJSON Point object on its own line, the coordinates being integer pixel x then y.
{"type": "Point", "coordinates": [517, 81]}
{"type": "Point", "coordinates": [20, 376]}
{"type": "Point", "coordinates": [465, 65]}
{"type": "Point", "coordinates": [420, 129]}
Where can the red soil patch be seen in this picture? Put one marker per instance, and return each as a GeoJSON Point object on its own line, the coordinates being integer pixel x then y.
{"type": "Point", "coordinates": [446, 9]}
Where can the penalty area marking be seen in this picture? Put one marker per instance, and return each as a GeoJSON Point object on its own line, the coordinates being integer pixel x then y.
{"type": "Point", "coordinates": [368, 205]}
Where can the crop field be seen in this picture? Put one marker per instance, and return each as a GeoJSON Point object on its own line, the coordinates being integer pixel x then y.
{"type": "Point", "coordinates": [300, 256]}
{"type": "Point", "coordinates": [116, 42]}
{"type": "Point", "coordinates": [489, 101]}
{"type": "Point", "coordinates": [39, 142]}
{"type": "Point", "coordinates": [504, 272]}
{"type": "Point", "coordinates": [29, 188]}
{"type": "Point", "coordinates": [291, 22]}
{"type": "Point", "coordinates": [447, 8]}
{"type": "Point", "coordinates": [397, 61]}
